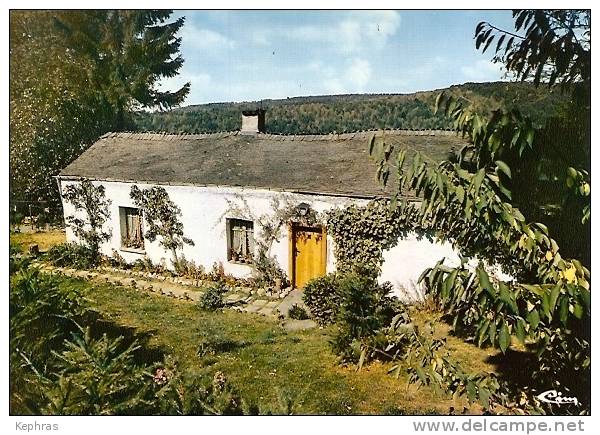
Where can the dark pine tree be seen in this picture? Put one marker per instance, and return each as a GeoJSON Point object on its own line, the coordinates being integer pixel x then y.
{"type": "Point", "coordinates": [127, 53]}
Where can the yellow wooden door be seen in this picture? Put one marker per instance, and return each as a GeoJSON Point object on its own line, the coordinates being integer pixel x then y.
{"type": "Point", "coordinates": [309, 254]}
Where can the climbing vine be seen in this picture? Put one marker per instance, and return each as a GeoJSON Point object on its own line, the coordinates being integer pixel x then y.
{"type": "Point", "coordinates": [162, 216]}
{"type": "Point", "coordinates": [362, 233]}
{"type": "Point", "coordinates": [270, 226]}
{"type": "Point", "coordinates": [93, 202]}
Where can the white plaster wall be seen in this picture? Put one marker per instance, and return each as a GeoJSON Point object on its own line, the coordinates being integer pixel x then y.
{"type": "Point", "coordinates": [404, 263]}
{"type": "Point", "coordinates": [204, 210]}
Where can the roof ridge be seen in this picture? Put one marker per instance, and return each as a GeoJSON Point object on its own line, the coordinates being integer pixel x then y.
{"type": "Point", "coordinates": [358, 134]}
{"type": "Point", "coordinates": [148, 135]}
{"type": "Point", "coordinates": [277, 136]}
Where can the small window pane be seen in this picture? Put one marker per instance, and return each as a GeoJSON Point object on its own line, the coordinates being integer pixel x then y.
{"type": "Point", "coordinates": [133, 235]}
{"type": "Point", "coordinates": [240, 240]}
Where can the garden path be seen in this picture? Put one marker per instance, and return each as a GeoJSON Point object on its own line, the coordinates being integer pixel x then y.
{"type": "Point", "coordinates": [242, 299]}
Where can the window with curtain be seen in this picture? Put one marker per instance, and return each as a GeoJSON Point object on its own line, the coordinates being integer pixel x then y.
{"type": "Point", "coordinates": [132, 235]}
{"type": "Point", "coordinates": [240, 240]}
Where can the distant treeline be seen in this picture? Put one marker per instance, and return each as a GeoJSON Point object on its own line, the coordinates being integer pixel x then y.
{"type": "Point", "coordinates": [342, 113]}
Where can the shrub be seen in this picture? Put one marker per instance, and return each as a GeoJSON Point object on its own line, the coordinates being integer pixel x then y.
{"type": "Point", "coordinates": [177, 394]}
{"type": "Point", "coordinates": [41, 317]}
{"type": "Point", "coordinates": [145, 264]}
{"type": "Point", "coordinates": [162, 217]}
{"type": "Point", "coordinates": [321, 298]}
{"type": "Point", "coordinates": [15, 248]}
{"type": "Point", "coordinates": [40, 310]}
{"type": "Point", "coordinates": [16, 218]}
{"type": "Point", "coordinates": [212, 299]}
{"type": "Point", "coordinates": [59, 368]}
{"type": "Point", "coordinates": [297, 312]}
{"type": "Point", "coordinates": [17, 259]}
{"type": "Point", "coordinates": [324, 295]}
{"type": "Point", "coordinates": [117, 260]}
{"type": "Point", "coordinates": [267, 271]}
{"type": "Point", "coordinates": [218, 272]}
{"type": "Point", "coordinates": [188, 268]}
{"type": "Point", "coordinates": [365, 307]}
{"type": "Point", "coordinates": [72, 255]}
{"type": "Point", "coordinates": [97, 377]}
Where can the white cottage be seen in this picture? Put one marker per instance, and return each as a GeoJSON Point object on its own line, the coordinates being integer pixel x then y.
{"type": "Point", "coordinates": [223, 183]}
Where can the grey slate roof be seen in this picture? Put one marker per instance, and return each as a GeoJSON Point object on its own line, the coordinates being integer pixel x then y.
{"type": "Point", "coordinates": [329, 164]}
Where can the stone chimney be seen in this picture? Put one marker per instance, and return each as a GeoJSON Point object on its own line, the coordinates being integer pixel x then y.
{"type": "Point", "coordinates": [253, 121]}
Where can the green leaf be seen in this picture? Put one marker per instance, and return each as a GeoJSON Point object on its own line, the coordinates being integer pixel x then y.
{"type": "Point", "coordinates": [530, 136]}
{"type": "Point", "coordinates": [451, 279]}
{"type": "Point", "coordinates": [361, 360]}
{"type": "Point", "coordinates": [484, 281]}
{"type": "Point", "coordinates": [487, 44]}
{"type": "Point", "coordinates": [504, 337]}
{"type": "Point", "coordinates": [478, 179]}
{"type": "Point", "coordinates": [578, 310]}
{"type": "Point", "coordinates": [546, 305]}
{"type": "Point", "coordinates": [585, 297]}
{"type": "Point", "coordinates": [395, 371]}
{"type": "Point", "coordinates": [460, 194]}
{"type": "Point", "coordinates": [484, 397]}
{"type": "Point", "coordinates": [504, 168]}
{"type": "Point", "coordinates": [563, 310]}
{"type": "Point", "coordinates": [520, 330]}
{"type": "Point", "coordinates": [471, 391]}
{"type": "Point", "coordinates": [508, 217]}
{"type": "Point", "coordinates": [507, 297]}
{"type": "Point", "coordinates": [400, 159]}
{"type": "Point", "coordinates": [500, 43]}
{"type": "Point", "coordinates": [421, 374]}
{"type": "Point", "coordinates": [533, 318]}
{"type": "Point", "coordinates": [554, 297]}
{"type": "Point", "coordinates": [483, 329]}
{"type": "Point", "coordinates": [492, 333]}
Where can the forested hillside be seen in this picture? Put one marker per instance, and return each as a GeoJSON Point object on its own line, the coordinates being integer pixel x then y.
{"type": "Point", "coordinates": [339, 113]}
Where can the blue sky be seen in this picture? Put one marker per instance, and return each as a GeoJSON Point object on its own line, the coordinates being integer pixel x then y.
{"type": "Point", "coordinates": [251, 55]}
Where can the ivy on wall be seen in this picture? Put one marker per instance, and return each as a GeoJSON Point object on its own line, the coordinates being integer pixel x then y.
{"type": "Point", "coordinates": [283, 211]}
{"type": "Point", "coordinates": [362, 233]}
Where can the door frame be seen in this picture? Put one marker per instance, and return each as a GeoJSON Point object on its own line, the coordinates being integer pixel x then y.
{"type": "Point", "coordinates": [292, 229]}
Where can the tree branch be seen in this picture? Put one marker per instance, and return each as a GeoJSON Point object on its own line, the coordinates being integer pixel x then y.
{"type": "Point", "coordinates": [504, 31]}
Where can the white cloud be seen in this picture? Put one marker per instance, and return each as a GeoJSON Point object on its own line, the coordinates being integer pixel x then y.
{"type": "Point", "coordinates": [259, 37]}
{"type": "Point", "coordinates": [200, 84]}
{"type": "Point", "coordinates": [359, 73]}
{"type": "Point", "coordinates": [196, 38]}
{"type": "Point", "coordinates": [357, 31]}
{"type": "Point", "coordinates": [482, 70]}
{"type": "Point", "coordinates": [333, 85]}
{"type": "Point", "coordinates": [353, 76]}
{"type": "Point", "coordinates": [255, 90]}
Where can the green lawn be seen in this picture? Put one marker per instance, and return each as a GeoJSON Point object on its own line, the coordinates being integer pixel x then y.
{"type": "Point", "coordinates": [44, 239]}
{"type": "Point", "coordinates": [262, 360]}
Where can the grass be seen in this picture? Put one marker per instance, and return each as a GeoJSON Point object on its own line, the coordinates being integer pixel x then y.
{"type": "Point", "coordinates": [44, 239]}
{"type": "Point", "coordinates": [262, 360]}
